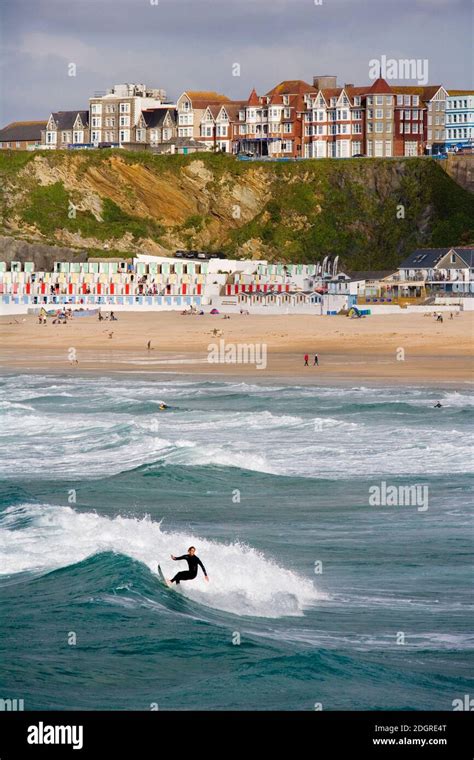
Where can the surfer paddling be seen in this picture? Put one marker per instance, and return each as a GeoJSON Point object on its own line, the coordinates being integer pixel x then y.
{"type": "Point", "coordinates": [193, 562]}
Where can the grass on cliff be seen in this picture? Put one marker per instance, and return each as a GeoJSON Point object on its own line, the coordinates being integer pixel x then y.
{"type": "Point", "coordinates": [51, 208]}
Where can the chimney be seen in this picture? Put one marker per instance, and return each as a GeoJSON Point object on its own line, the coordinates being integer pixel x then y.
{"type": "Point", "coordinates": [324, 82]}
{"type": "Point", "coordinates": [348, 84]}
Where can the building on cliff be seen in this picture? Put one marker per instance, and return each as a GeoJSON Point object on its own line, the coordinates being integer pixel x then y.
{"type": "Point", "coordinates": [22, 135]}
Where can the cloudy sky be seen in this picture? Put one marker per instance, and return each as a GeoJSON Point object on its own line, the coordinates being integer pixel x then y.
{"type": "Point", "coordinates": [193, 44]}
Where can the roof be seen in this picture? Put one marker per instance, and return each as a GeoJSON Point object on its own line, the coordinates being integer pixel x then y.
{"type": "Point", "coordinates": [460, 92]}
{"type": "Point", "coordinates": [253, 98]}
{"type": "Point", "coordinates": [424, 257]}
{"type": "Point", "coordinates": [425, 93]}
{"type": "Point", "coordinates": [380, 86]}
{"type": "Point", "coordinates": [291, 87]}
{"type": "Point", "coordinates": [203, 98]}
{"type": "Point", "coordinates": [22, 130]}
{"type": "Point", "coordinates": [66, 119]}
{"type": "Point", "coordinates": [466, 254]}
{"type": "Point", "coordinates": [154, 117]}
{"type": "Point", "coordinates": [233, 108]}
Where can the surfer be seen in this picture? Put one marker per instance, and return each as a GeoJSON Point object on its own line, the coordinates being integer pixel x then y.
{"type": "Point", "coordinates": [163, 406]}
{"type": "Point", "coordinates": [193, 562]}
{"type": "Point", "coordinates": [438, 405]}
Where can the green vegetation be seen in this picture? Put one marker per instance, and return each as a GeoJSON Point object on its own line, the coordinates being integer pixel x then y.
{"type": "Point", "coordinates": [370, 212]}
{"type": "Point", "coordinates": [51, 208]}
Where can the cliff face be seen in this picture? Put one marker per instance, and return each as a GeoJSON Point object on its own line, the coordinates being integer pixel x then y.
{"type": "Point", "coordinates": [370, 212]}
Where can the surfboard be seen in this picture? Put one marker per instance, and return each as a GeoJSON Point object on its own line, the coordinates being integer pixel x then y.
{"type": "Point", "coordinates": [163, 579]}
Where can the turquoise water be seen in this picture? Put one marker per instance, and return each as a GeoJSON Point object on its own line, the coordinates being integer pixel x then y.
{"type": "Point", "coordinates": [334, 601]}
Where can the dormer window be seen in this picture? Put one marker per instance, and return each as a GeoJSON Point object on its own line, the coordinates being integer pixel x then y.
{"type": "Point", "coordinates": [286, 100]}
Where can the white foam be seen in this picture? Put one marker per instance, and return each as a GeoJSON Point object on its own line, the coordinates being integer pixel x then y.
{"type": "Point", "coordinates": [41, 538]}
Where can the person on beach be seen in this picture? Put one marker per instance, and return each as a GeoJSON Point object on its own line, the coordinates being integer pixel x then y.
{"type": "Point", "coordinates": [316, 361]}
{"type": "Point", "coordinates": [193, 562]}
{"type": "Point", "coordinates": [148, 345]}
{"type": "Point", "coordinates": [306, 360]}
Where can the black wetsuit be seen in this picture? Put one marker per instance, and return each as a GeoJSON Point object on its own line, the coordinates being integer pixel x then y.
{"type": "Point", "coordinates": [188, 575]}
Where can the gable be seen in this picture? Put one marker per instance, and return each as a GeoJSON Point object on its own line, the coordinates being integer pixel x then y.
{"type": "Point", "coordinates": [458, 263]}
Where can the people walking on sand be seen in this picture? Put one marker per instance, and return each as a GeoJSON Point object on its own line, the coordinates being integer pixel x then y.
{"type": "Point", "coordinates": [148, 345]}
{"type": "Point", "coordinates": [316, 361]}
{"type": "Point", "coordinates": [306, 360]}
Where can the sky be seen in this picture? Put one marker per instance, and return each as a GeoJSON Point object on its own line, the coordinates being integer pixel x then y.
{"type": "Point", "coordinates": [194, 44]}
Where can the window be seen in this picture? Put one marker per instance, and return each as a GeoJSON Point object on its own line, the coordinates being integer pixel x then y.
{"type": "Point", "coordinates": [370, 149]}
{"type": "Point", "coordinates": [286, 100]}
{"type": "Point", "coordinates": [379, 113]}
{"type": "Point", "coordinates": [415, 114]}
{"type": "Point", "coordinates": [370, 127]}
{"type": "Point", "coordinates": [379, 148]}
{"type": "Point", "coordinates": [407, 129]}
{"type": "Point", "coordinates": [357, 129]}
{"type": "Point", "coordinates": [95, 136]}
{"type": "Point", "coordinates": [388, 147]}
{"type": "Point", "coordinates": [357, 100]}
{"type": "Point", "coordinates": [18, 144]}
{"type": "Point", "coordinates": [140, 135]}
{"type": "Point", "coordinates": [416, 100]}
{"type": "Point", "coordinates": [406, 100]}
{"type": "Point", "coordinates": [379, 100]}
{"type": "Point", "coordinates": [388, 127]}
{"type": "Point", "coordinates": [379, 127]}
{"type": "Point", "coordinates": [389, 100]}
{"type": "Point", "coordinates": [287, 113]}
{"type": "Point", "coordinates": [407, 115]}
{"type": "Point", "coordinates": [287, 146]}
{"type": "Point", "coordinates": [124, 107]}
{"type": "Point", "coordinates": [357, 115]}
{"type": "Point", "coordinates": [287, 127]}
{"type": "Point", "coordinates": [414, 129]}
{"type": "Point", "coordinates": [125, 121]}
{"type": "Point", "coordinates": [124, 135]}
{"type": "Point", "coordinates": [399, 100]}
{"type": "Point", "coordinates": [356, 147]}
{"type": "Point", "coordinates": [437, 108]}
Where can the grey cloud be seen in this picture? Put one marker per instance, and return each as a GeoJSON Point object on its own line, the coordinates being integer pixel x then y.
{"type": "Point", "coordinates": [193, 43]}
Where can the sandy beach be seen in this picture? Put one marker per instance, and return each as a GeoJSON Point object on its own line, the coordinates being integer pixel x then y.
{"type": "Point", "coordinates": [396, 348]}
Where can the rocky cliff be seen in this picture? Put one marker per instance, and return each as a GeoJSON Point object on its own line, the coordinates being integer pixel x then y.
{"type": "Point", "coordinates": [369, 211]}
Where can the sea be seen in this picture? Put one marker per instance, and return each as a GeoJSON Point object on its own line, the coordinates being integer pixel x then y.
{"type": "Point", "coordinates": [335, 525]}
